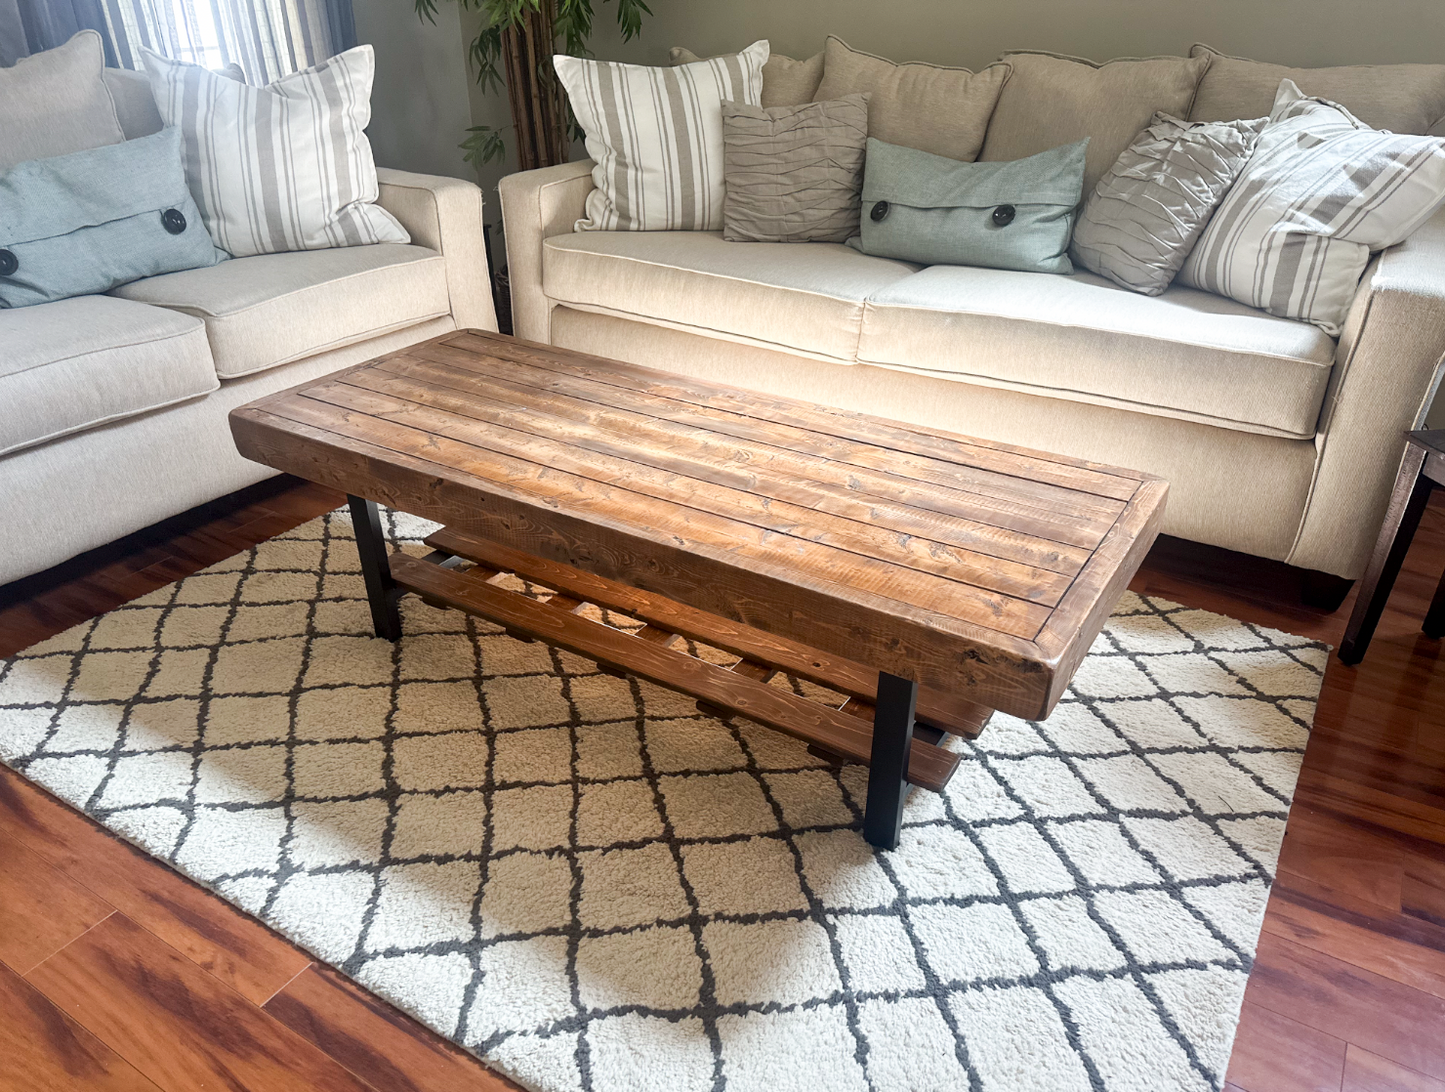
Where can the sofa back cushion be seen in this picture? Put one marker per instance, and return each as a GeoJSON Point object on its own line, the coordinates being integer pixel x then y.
{"type": "Point", "coordinates": [1052, 100]}
{"type": "Point", "coordinates": [943, 111]}
{"type": "Point", "coordinates": [135, 106]}
{"type": "Point", "coordinates": [786, 80]}
{"type": "Point", "coordinates": [1403, 98]}
{"type": "Point", "coordinates": [55, 102]}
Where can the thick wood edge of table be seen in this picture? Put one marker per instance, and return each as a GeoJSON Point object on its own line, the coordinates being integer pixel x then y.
{"type": "Point", "coordinates": [1019, 676]}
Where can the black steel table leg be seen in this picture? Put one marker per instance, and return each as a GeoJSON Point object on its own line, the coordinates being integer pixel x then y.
{"type": "Point", "coordinates": [1435, 619]}
{"type": "Point", "coordinates": [888, 765]}
{"type": "Point", "coordinates": [1407, 505]}
{"type": "Point", "coordinates": [381, 592]}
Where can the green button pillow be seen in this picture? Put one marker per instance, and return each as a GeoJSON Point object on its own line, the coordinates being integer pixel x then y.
{"type": "Point", "coordinates": [80, 224]}
{"type": "Point", "coordinates": [939, 211]}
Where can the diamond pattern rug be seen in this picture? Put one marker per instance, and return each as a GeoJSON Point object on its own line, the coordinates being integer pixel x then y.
{"type": "Point", "coordinates": [594, 886]}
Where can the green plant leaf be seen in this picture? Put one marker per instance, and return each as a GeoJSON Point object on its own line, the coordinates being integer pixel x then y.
{"type": "Point", "coordinates": [484, 145]}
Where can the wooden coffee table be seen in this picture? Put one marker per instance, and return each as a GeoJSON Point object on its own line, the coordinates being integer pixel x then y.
{"type": "Point", "coordinates": [928, 578]}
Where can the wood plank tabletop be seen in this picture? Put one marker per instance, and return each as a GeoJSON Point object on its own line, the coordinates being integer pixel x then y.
{"type": "Point", "coordinates": [971, 566]}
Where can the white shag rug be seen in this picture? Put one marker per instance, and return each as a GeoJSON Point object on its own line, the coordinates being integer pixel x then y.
{"type": "Point", "coordinates": [593, 886]}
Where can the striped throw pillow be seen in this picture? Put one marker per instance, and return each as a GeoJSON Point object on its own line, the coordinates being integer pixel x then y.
{"type": "Point", "coordinates": [655, 135]}
{"type": "Point", "coordinates": [281, 167]}
{"type": "Point", "coordinates": [1321, 191]}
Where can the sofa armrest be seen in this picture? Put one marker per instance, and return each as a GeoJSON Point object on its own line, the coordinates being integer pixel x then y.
{"type": "Point", "coordinates": [537, 205]}
{"type": "Point", "coordinates": [445, 214]}
{"type": "Point", "coordinates": [1387, 370]}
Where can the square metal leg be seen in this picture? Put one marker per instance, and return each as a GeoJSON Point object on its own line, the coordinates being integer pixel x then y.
{"type": "Point", "coordinates": [381, 591]}
{"type": "Point", "coordinates": [888, 765]}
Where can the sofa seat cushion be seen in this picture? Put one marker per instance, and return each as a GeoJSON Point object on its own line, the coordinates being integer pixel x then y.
{"type": "Point", "coordinates": [804, 297]}
{"type": "Point", "coordinates": [1185, 354]}
{"type": "Point", "coordinates": [80, 362]}
{"type": "Point", "coordinates": [271, 309]}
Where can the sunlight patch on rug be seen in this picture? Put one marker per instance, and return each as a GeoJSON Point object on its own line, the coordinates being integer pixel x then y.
{"type": "Point", "coordinates": [596, 887]}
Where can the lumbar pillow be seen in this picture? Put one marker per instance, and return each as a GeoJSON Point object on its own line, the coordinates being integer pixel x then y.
{"type": "Point", "coordinates": [1146, 214]}
{"type": "Point", "coordinates": [1051, 100]}
{"type": "Point", "coordinates": [938, 211]}
{"type": "Point", "coordinates": [656, 137]}
{"type": "Point", "coordinates": [793, 173]}
{"type": "Point", "coordinates": [1320, 192]}
{"type": "Point", "coordinates": [56, 102]}
{"type": "Point", "coordinates": [925, 106]}
{"type": "Point", "coordinates": [79, 224]}
{"type": "Point", "coordinates": [1403, 98]}
{"type": "Point", "coordinates": [786, 81]}
{"type": "Point", "coordinates": [281, 167]}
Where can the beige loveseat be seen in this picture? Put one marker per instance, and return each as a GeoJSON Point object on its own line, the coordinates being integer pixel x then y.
{"type": "Point", "coordinates": [1277, 440]}
{"type": "Point", "coordinates": [113, 408]}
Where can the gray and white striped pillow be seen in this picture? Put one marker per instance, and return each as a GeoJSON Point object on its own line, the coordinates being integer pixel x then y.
{"type": "Point", "coordinates": [656, 137]}
{"type": "Point", "coordinates": [1321, 191]}
{"type": "Point", "coordinates": [281, 167]}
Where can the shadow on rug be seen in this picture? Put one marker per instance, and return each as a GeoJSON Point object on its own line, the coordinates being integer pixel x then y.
{"type": "Point", "coordinates": [593, 886]}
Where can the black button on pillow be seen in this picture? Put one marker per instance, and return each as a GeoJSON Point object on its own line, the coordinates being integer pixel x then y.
{"type": "Point", "coordinates": [1004, 215]}
{"type": "Point", "coordinates": [174, 221]}
{"type": "Point", "coordinates": [880, 210]}
{"type": "Point", "coordinates": [8, 263]}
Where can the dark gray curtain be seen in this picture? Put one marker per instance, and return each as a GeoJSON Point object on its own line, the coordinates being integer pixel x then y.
{"type": "Point", "coordinates": [267, 38]}
{"type": "Point", "coordinates": [29, 26]}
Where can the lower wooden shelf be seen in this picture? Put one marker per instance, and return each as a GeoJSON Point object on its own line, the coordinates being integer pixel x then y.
{"type": "Point", "coordinates": [845, 732]}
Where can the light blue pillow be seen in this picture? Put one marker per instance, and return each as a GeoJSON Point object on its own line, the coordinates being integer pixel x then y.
{"type": "Point", "coordinates": [939, 211]}
{"type": "Point", "coordinates": [83, 223]}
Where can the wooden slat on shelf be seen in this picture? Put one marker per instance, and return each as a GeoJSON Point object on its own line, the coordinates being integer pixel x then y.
{"type": "Point", "coordinates": [929, 767]}
{"type": "Point", "coordinates": [943, 711]}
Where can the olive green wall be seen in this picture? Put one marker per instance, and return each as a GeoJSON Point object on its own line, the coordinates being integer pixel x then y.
{"type": "Point", "coordinates": [419, 104]}
{"type": "Point", "coordinates": [1299, 32]}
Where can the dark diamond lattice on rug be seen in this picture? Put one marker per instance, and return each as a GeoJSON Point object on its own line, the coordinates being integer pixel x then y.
{"type": "Point", "coordinates": [595, 886]}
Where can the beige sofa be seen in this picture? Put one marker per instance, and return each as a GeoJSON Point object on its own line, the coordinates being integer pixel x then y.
{"type": "Point", "coordinates": [113, 408]}
{"type": "Point", "coordinates": [1277, 440]}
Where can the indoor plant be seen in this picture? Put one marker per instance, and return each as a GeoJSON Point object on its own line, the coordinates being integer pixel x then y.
{"type": "Point", "coordinates": [518, 39]}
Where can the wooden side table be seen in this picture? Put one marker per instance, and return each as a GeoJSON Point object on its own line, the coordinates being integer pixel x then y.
{"type": "Point", "coordinates": [1422, 470]}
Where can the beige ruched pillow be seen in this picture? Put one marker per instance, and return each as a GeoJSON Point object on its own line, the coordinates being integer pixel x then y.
{"type": "Point", "coordinates": [793, 174]}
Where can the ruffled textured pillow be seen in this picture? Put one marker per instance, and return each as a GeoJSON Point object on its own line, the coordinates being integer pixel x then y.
{"type": "Point", "coordinates": [1148, 211]}
{"type": "Point", "coordinates": [1321, 191]}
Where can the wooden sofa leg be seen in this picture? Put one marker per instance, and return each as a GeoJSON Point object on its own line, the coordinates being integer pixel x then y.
{"type": "Point", "coordinates": [1324, 591]}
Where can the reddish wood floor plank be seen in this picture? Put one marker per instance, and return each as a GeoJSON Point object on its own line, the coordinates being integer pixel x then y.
{"type": "Point", "coordinates": [1366, 1072]}
{"type": "Point", "coordinates": [1386, 942]}
{"type": "Point", "coordinates": [393, 1052]}
{"type": "Point", "coordinates": [43, 1050]}
{"type": "Point", "coordinates": [41, 909]}
{"type": "Point", "coordinates": [1342, 856]}
{"type": "Point", "coordinates": [1273, 1053]}
{"type": "Point", "coordinates": [232, 946]}
{"type": "Point", "coordinates": [178, 1025]}
{"type": "Point", "coordinates": [1350, 1003]}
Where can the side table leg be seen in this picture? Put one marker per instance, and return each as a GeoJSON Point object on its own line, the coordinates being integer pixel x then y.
{"type": "Point", "coordinates": [1435, 618]}
{"type": "Point", "coordinates": [381, 592]}
{"type": "Point", "coordinates": [1407, 504]}
{"type": "Point", "coordinates": [888, 766]}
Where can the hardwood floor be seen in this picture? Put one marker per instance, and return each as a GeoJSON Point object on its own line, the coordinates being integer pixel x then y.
{"type": "Point", "coordinates": [118, 974]}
